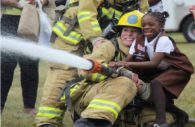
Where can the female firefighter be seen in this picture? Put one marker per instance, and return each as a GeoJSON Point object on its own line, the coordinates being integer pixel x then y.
{"type": "Point", "coordinates": [102, 102]}
{"type": "Point", "coordinates": [82, 22]}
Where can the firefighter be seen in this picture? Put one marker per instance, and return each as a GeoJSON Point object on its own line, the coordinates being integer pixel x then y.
{"type": "Point", "coordinates": [101, 104]}
{"type": "Point", "coordinates": [78, 25]}
{"type": "Point", "coordinates": [11, 10]}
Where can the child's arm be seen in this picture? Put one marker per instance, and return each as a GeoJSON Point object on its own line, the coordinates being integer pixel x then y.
{"type": "Point", "coordinates": [145, 65]}
{"type": "Point", "coordinates": [128, 58]}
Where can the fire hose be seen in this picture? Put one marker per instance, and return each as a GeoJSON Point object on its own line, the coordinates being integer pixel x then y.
{"type": "Point", "coordinates": [111, 72]}
{"type": "Point", "coordinates": [144, 91]}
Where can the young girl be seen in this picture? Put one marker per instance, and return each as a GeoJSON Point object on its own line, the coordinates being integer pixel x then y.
{"type": "Point", "coordinates": [167, 68]}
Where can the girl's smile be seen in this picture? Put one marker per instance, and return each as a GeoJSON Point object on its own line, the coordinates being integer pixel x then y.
{"type": "Point", "coordinates": [150, 27]}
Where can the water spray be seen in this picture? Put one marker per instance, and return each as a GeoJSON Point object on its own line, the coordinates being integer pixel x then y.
{"type": "Point", "coordinates": [33, 50]}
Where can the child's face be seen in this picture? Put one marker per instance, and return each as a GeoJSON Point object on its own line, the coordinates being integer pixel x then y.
{"type": "Point", "coordinates": [150, 27]}
{"type": "Point", "coordinates": [128, 35]}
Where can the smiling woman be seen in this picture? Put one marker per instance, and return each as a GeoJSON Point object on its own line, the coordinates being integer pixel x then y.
{"type": "Point", "coordinates": [129, 26]}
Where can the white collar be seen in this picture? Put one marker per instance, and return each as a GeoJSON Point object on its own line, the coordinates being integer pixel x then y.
{"type": "Point", "coordinates": [152, 41]}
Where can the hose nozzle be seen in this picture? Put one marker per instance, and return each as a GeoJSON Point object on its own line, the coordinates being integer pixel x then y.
{"type": "Point", "coordinates": [96, 66]}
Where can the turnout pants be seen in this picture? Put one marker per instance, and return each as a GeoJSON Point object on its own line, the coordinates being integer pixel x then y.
{"type": "Point", "coordinates": [106, 99]}
{"type": "Point", "coordinates": [51, 109]}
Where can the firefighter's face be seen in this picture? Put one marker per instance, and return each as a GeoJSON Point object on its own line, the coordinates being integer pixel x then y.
{"type": "Point", "coordinates": [128, 35]}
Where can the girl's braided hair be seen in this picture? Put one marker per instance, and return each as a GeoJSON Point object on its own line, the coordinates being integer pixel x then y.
{"type": "Point", "coordinates": [160, 16]}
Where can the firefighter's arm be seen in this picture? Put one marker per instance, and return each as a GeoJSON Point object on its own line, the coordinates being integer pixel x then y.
{"type": "Point", "coordinates": [103, 54]}
{"type": "Point", "coordinates": [87, 18]}
{"type": "Point", "coordinates": [158, 56]}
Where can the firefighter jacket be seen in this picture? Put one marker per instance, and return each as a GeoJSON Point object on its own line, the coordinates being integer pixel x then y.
{"type": "Point", "coordinates": [107, 52]}
{"type": "Point", "coordinates": [88, 19]}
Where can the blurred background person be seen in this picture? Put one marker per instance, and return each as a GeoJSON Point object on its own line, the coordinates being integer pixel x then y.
{"type": "Point", "coordinates": [156, 5]}
{"type": "Point", "coordinates": [11, 10]}
{"type": "Point", "coordinates": [192, 10]}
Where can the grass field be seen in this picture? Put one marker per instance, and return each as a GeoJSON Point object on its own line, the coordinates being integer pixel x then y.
{"type": "Point", "coordinates": [13, 115]}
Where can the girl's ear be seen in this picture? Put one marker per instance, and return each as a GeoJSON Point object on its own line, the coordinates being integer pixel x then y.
{"type": "Point", "coordinates": [162, 26]}
{"type": "Point", "coordinates": [161, 29]}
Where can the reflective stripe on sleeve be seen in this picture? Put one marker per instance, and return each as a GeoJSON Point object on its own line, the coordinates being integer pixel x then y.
{"type": "Point", "coordinates": [96, 26]}
{"type": "Point", "coordinates": [84, 15]}
{"type": "Point", "coordinates": [50, 112]}
{"type": "Point", "coordinates": [74, 37]}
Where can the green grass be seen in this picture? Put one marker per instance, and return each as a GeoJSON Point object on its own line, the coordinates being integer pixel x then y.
{"type": "Point", "coordinates": [13, 113]}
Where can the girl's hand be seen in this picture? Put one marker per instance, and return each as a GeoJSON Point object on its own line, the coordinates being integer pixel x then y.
{"type": "Point", "coordinates": [118, 64]}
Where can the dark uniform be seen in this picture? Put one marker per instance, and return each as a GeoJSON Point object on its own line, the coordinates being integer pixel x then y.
{"type": "Point", "coordinates": [9, 61]}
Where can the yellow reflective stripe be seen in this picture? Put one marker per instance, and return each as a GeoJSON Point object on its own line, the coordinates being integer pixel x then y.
{"type": "Point", "coordinates": [50, 112]}
{"type": "Point", "coordinates": [97, 77]}
{"type": "Point", "coordinates": [84, 15]}
{"type": "Point", "coordinates": [63, 97]}
{"type": "Point", "coordinates": [73, 36]}
{"type": "Point", "coordinates": [11, 11]}
{"type": "Point", "coordinates": [117, 14]}
{"type": "Point", "coordinates": [94, 76]}
{"type": "Point", "coordinates": [72, 90]}
{"type": "Point", "coordinates": [96, 26]}
{"type": "Point", "coordinates": [107, 12]}
{"type": "Point", "coordinates": [102, 77]}
{"type": "Point", "coordinates": [105, 105]}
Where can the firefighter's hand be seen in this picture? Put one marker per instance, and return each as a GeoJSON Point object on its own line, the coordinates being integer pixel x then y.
{"type": "Point", "coordinates": [112, 64]}
{"type": "Point", "coordinates": [138, 82]}
{"type": "Point", "coordinates": [118, 64]}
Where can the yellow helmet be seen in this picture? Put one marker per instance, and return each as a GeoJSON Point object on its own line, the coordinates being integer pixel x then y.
{"type": "Point", "coordinates": [132, 18]}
